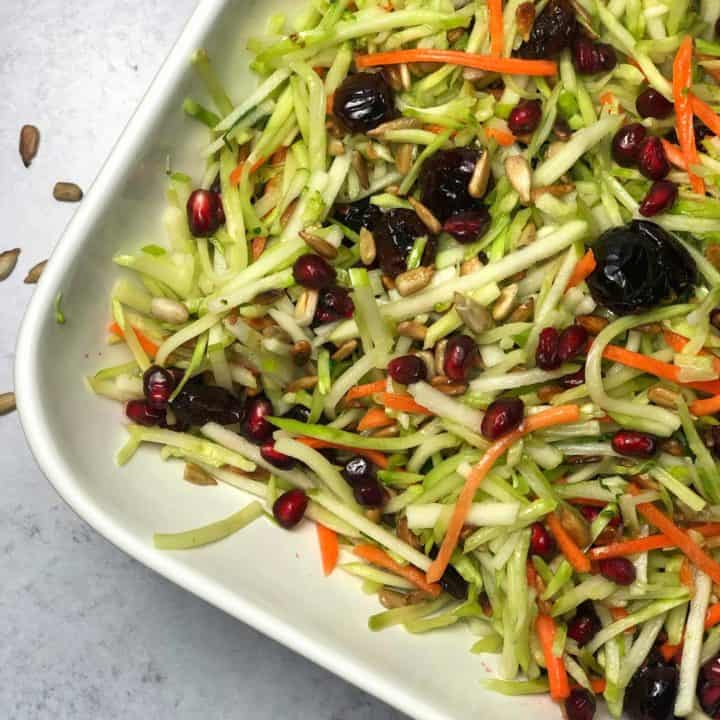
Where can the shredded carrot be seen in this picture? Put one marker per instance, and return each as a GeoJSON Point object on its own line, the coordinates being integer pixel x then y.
{"type": "Point", "coordinates": [376, 556]}
{"type": "Point", "coordinates": [607, 99]}
{"type": "Point", "coordinates": [686, 576]}
{"type": "Point", "coordinates": [374, 418]}
{"type": "Point", "coordinates": [145, 342]}
{"type": "Point", "coordinates": [557, 675]}
{"type": "Point", "coordinates": [437, 129]}
{"type": "Point", "coordinates": [712, 616]}
{"type": "Point", "coordinates": [585, 265]}
{"type": "Point", "coordinates": [705, 407]}
{"type": "Point", "coordinates": [678, 342]}
{"type": "Point", "coordinates": [329, 101]}
{"type": "Point", "coordinates": [598, 685]}
{"type": "Point", "coordinates": [674, 154]}
{"type": "Point", "coordinates": [320, 70]}
{"type": "Point", "coordinates": [495, 24]}
{"type": "Point", "coordinates": [547, 418]}
{"type": "Point", "coordinates": [630, 547]}
{"type": "Point", "coordinates": [705, 113]}
{"type": "Point", "coordinates": [278, 157]}
{"type": "Point", "coordinates": [682, 80]}
{"type": "Point", "coordinates": [375, 456]}
{"type": "Point", "coordinates": [360, 391]}
{"type": "Point", "coordinates": [619, 613]}
{"type": "Point", "coordinates": [669, 651]}
{"type": "Point", "coordinates": [531, 574]}
{"type": "Point", "coordinates": [679, 537]}
{"type": "Point", "coordinates": [503, 137]}
{"type": "Point", "coordinates": [403, 403]}
{"type": "Point", "coordinates": [707, 529]}
{"type": "Point", "coordinates": [329, 547]}
{"type": "Point", "coordinates": [508, 66]}
{"type": "Point", "coordinates": [569, 548]}
{"type": "Point", "coordinates": [236, 174]}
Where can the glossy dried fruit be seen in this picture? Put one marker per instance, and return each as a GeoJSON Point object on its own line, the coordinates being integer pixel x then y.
{"type": "Point", "coordinates": [553, 30]}
{"type": "Point", "coordinates": [395, 234]}
{"type": "Point", "coordinates": [139, 412]}
{"type": "Point", "coordinates": [525, 117]}
{"type": "Point", "coordinates": [358, 215]}
{"type": "Point", "coordinates": [364, 101]}
{"type": "Point", "coordinates": [204, 212]}
{"type": "Point", "coordinates": [158, 385]}
{"type": "Point", "coordinates": [257, 427]}
{"type": "Point", "coordinates": [501, 417]}
{"type": "Point", "coordinates": [460, 354]}
{"type": "Point", "coordinates": [652, 104]}
{"type": "Point", "coordinates": [358, 469]}
{"type": "Point", "coordinates": [580, 705]}
{"type": "Point", "coordinates": [572, 342]}
{"type": "Point", "coordinates": [585, 625]}
{"type": "Point", "coordinates": [469, 226]}
{"type": "Point", "coordinates": [289, 508]}
{"type": "Point", "coordinates": [275, 458]}
{"type": "Point", "coordinates": [652, 692]}
{"type": "Point", "coordinates": [407, 369]}
{"type": "Point", "coordinates": [633, 443]}
{"type": "Point", "coordinates": [197, 404]}
{"type": "Point", "coordinates": [334, 303]}
{"type": "Point", "coordinates": [312, 271]}
{"type": "Point", "coordinates": [661, 196]}
{"type": "Point", "coordinates": [651, 159]}
{"type": "Point", "coordinates": [368, 492]}
{"type": "Point", "coordinates": [626, 144]}
{"type": "Point", "coordinates": [592, 57]}
{"type": "Point", "coordinates": [620, 570]}
{"type": "Point", "coordinates": [546, 354]}
{"type": "Point", "coordinates": [542, 542]}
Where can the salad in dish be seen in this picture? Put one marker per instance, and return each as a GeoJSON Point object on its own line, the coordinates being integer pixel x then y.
{"type": "Point", "coordinates": [446, 284]}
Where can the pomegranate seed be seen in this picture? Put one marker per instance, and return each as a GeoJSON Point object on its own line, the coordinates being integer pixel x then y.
{"type": "Point", "coordinates": [204, 210]}
{"type": "Point", "coordinates": [584, 626]}
{"type": "Point", "coordinates": [652, 104]}
{"type": "Point", "coordinates": [368, 492]}
{"type": "Point", "coordinates": [546, 355]}
{"type": "Point", "coordinates": [626, 143]}
{"type": "Point", "coordinates": [590, 57]}
{"type": "Point", "coordinates": [542, 542]}
{"type": "Point", "coordinates": [460, 356]}
{"type": "Point", "coordinates": [580, 705]}
{"type": "Point", "coordinates": [334, 304]}
{"type": "Point", "coordinates": [257, 428]}
{"type": "Point", "coordinates": [651, 159]}
{"type": "Point", "coordinates": [158, 385]}
{"type": "Point", "coordinates": [139, 412]}
{"type": "Point", "coordinates": [573, 379]}
{"type": "Point", "coordinates": [525, 117]}
{"type": "Point", "coordinates": [633, 443]}
{"type": "Point", "coordinates": [290, 507]}
{"type": "Point", "coordinates": [275, 458]}
{"type": "Point", "coordinates": [620, 570]}
{"type": "Point", "coordinates": [501, 417]}
{"type": "Point", "coordinates": [407, 369]}
{"type": "Point", "coordinates": [711, 670]}
{"type": "Point", "coordinates": [468, 226]}
{"type": "Point", "coordinates": [661, 196]}
{"type": "Point", "coordinates": [709, 697]}
{"type": "Point", "coordinates": [572, 342]}
{"type": "Point", "coordinates": [358, 469]}
{"type": "Point", "coordinates": [312, 271]}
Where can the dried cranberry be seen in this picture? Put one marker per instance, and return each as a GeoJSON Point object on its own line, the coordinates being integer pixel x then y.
{"type": "Point", "coordinates": [312, 271]}
{"type": "Point", "coordinates": [501, 417]}
{"type": "Point", "coordinates": [298, 412]}
{"type": "Point", "coordinates": [334, 303]}
{"type": "Point", "coordinates": [619, 569]}
{"type": "Point", "coordinates": [585, 625]}
{"type": "Point", "coordinates": [452, 582]}
{"type": "Point", "coordinates": [290, 507]}
{"type": "Point", "coordinates": [204, 210]}
{"type": "Point", "coordinates": [395, 234]}
{"type": "Point", "coordinates": [275, 458]}
{"type": "Point", "coordinates": [197, 404]}
{"type": "Point", "coordinates": [256, 426]}
{"type": "Point", "coordinates": [139, 412]}
{"type": "Point", "coordinates": [444, 182]}
{"type": "Point", "coordinates": [606, 57]}
{"type": "Point", "coordinates": [368, 492]}
{"type": "Point", "coordinates": [626, 144]}
{"type": "Point", "coordinates": [652, 692]}
{"type": "Point", "coordinates": [661, 196]}
{"type": "Point", "coordinates": [460, 354]}
{"type": "Point", "coordinates": [363, 101]}
{"type": "Point", "coordinates": [652, 104]}
{"type": "Point", "coordinates": [711, 670]}
{"type": "Point", "coordinates": [407, 369]}
{"type": "Point", "coordinates": [580, 705]}
{"type": "Point", "coordinates": [572, 342]}
{"type": "Point", "coordinates": [709, 696]}
{"type": "Point", "coordinates": [158, 385]}
{"type": "Point", "coordinates": [546, 355]}
{"type": "Point", "coordinates": [590, 57]}
{"type": "Point", "coordinates": [651, 159]}
{"type": "Point", "coordinates": [573, 379]}
{"type": "Point", "coordinates": [358, 469]}
{"type": "Point", "coordinates": [553, 30]}
{"type": "Point", "coordinates": [542, 542]}
{"type": "Point", "coordinates": [633, 443]}
{"type": "Point", "coordinates": [525, 117]}
{"type": "Point", "coordinates": [468, 226]}
{"type": "Point", "coordinates": [358, 215]}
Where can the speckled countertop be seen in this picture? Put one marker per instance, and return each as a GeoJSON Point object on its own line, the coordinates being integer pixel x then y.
{"type": "Point", "coordinates": [85, 632]}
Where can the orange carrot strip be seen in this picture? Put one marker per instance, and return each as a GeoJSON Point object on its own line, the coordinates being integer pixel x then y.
{"type": "Point", "coordinates": [585, 265]}
{"type": "Point", "coordinates": [547, 418]}
{"type": "Point", "coordinates": [375, 456]}
{"type": "Point", "coordinates": [682, 80]}
{"type": "Point", "coordinates": [618, 613]}
{"type": "Point", "coordinates": [598, 685]}
{"type": "Point", "coordinates": [379, 557]}
{"type": "Point", "coordinates": [404, 403]}
{"type": "Point", "coordinates": [674, 154]}
{"type": "Point", "coordinates": [607, 98]}
{"type": "Point", "coordinates": [497, 31]}
{"type": "Point", "coordinates": [236, 174]}
{"type": "Point", "coordinates": [503, 137]}
{"type": "Point", "coordinates": [509, 66]}
{"type": "Point", "coordinates": [679, 537]}
{"type": "Point", "coordinates": [707, 529]}
{"type": "Point", "coordinates": [712, 616]}
{"type": "Point", "coordinates": [329, 547]}
{"type": "Point", "coordinates": [705, 407]}
{"type": "Point", "coordinates": [360, 391]}
{"type": "Point", "coordinates": [145, 342]}
{"type": "Point", "coordinates": [329, 102]}
{"type": "Point", "coordinates": [569, 548]}
{"type": "Point", "coordinates": [705, 113]}
{"type": "Point", "coordinates": [686, 575]}
{"type": "Point", "coordinates": [630, 547]}
{"type": "Point", "coordinates": [278, 157]}
{"type": "Point", "coordinates": [678, 342]}
{"type": "Point", "coordinates": [557, 675]}
{"type": "Point", "coordinates": [669, 651]}
{"type": "Point", "coordinates": [374, 418]}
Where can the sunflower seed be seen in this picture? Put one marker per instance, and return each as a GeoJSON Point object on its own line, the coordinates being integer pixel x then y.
{"type": "Point", "coordinates": [305, 307]}
{"type": "Point", "coordinates": [335, 147]}
{"type": "Point", "coordinates": [477, 187]}
{"type": "Point", "coordinates": [412, 329]}
{"type": "Point", "coordinates": [360, 167]}
{"type": "Point", "coordinates": [472, 313]}
{"type": "Point", "coordinates": [664, 397]}
{"type": "Point", "coordinates": [301, 352]}
{"type": "Point", "coordinates": [468, 267]}
{"type": "Point", "coordinates": [504, 304]}
{"type": "Point", "coordinates": [368, 250]}
{"type": "Point", "coordinates": [429, 360]}
{"type": "Point", "coordinates": [594, 324]}
{"type": "Point", "coordinates": [304, 383]}
{"type": "Point", "coordinates": [7, 403]}
{"type": "Point", "coordinates": [195, 475]}
{"type": "Point", "coordinates": [414, 280]}
{"type": "Point", "coordinates": [519, 174]}
{"type": "Point", "coordinates": [527, 236]}
{"type": "Point", "coordinates": [67, 192]}
{"type": "Point", "coordinates": [403, 123]}
{"type": "Point", "coordinates": [29, 141]}
{"type": "Point", "coordinates": [440, 354]}
{"type": "Point", "coordinates": [523, 312]}
{"type": "Point", "coordinates": [169, 311]}
{"type": "Point", "coordinates": [345, 350]}
{"type": "Point", "coordinates": [404, 158]}
{"type": "Point", "coordinates": [8, 260]}
{"type": "Point", "coordinates": [427, 218]}
{"type": "Point", "coordinates": [321, 246]}
{"type": "Point", "coordinates": [35, 272]}
{"type": "Point", "coordinates": [447, 386]}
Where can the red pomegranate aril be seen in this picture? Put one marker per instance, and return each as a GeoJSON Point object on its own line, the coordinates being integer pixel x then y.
{"type": "Point", "coordinates": [368, 492]}
{"type": "Point", "coordinates": [525, 117]}
{"type": "Point", "coordinates": [312, 271]}
{"type": "Point", "coordinates": [590, 57]}
{"type": "Point", "coordinates": [158, 385]}
{"type": "Point", "coordinates": [275, 458]}
{"type": "Point", "coordinates": [546, 355]}
{"type": "Point", "coordinates": [334, 303]}
{"type": "Point", "coordinates": [573, 379]}
{"type": "Point", "coordinates": [652, 104]}
{"type": "Point", "coordinates": [572, 342]}
{"type": "Point", "coordinates": [711, 670]}
{"type": "Point", "coordinates": [290, 507]}
{"type": "Point", "coordinates": [468, 226]}
{"type": "Point", "coordinates": [582, 629]}
{"type": "Point", "coordinates": [709, 697]}
{"type": "Point", "coordinates": [407, 369]}
{"type": "Point", "coordinates": [620, 570]}
{"type": "Point", "coordinates": [501, 417]}
{"type": "Point", "coordinates": [542, 542]}
{"type": "Point", "coordinates": [651, 159]}
{"type": "Point", "coordinates": [139, 412]}
{"type": "Point", "coordinates": [580, 705]}
{"type": "Point", "coordinates": [204, 210]}
{"type": "Point", "coordinates": [460, 354]}
{"type": "Point", "coordinates": [661, 196]}
{"type": "Point", "coordinates": [626, 144]}
{"type": "Point", "coordinates": [633, 443]}
{"type": "Point", "coordinates": [257, 427]}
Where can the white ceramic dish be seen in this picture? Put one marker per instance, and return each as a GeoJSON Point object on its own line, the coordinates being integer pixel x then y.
{"type": "Point", "coordinates": [265, 577]}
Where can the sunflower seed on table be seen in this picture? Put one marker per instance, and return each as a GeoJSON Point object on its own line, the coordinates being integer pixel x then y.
{"type": "Point", "coordinates": [67, 192]}
{"type": "Point", "coordinates": [8, 261]}
{"type": "Point", "coordinates": [368, 250]}
{"type": "Point", "coordinates": [35, 272]}
{"type": "Point", "coordinates": [29, 141]}
{"type": "Point", "coordinates": [7, 403]}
